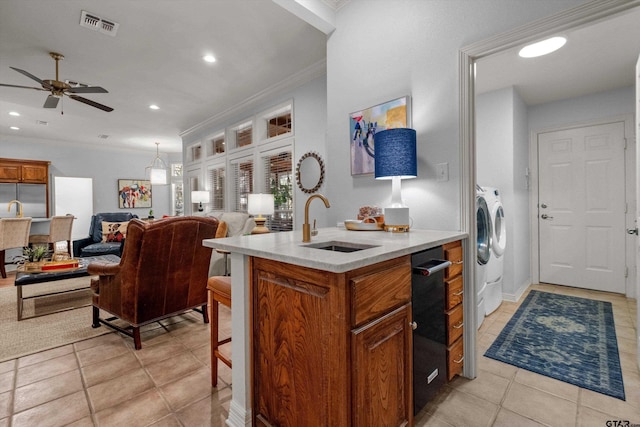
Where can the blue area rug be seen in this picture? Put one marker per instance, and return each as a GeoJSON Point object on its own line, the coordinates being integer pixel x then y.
{"type": "Point", "coordinates": [567, 338]}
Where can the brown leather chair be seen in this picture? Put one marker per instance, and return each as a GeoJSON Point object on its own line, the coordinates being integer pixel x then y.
{"type": "Point", "coordinates": [163, 272]}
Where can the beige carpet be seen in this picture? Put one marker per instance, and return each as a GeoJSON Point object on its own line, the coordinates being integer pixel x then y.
{"type": "Point", "coordinates": [49, 330]}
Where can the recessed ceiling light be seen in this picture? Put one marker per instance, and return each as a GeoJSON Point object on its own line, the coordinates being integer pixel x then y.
{"type": "Point", "coordinates": [154, 107]}
{"type": "Point", "coordinates": [14, 113]}
{"type": "Point", "coordinates": [209, 58]}
{"type": "Point", "coordinates": [543, 47]}
{"type": "Point", "coordinates": [14, 128]}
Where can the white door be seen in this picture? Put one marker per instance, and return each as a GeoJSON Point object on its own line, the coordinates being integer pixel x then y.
{"type": "Point", "coordinates": [581, 212]}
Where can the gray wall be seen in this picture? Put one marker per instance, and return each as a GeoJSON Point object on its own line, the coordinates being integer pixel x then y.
{"type": "Point", "coordinates": [382, 50]}
{"type": "Point", "coordinates": [104, 164]}
{"type": "Point", "coordinates": [504, 125]}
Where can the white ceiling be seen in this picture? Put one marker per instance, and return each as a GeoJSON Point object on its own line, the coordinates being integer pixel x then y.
{"type": "Point", "coordinates": [155, 58]}
{"type": "Point", "coordinates": [596, 58]}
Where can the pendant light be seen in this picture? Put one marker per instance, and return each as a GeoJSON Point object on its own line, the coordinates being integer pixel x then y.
{"type": "Point", "coordinates": [157, 170]}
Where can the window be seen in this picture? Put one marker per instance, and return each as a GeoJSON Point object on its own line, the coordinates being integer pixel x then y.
{"type": "Point", "coordinates": [243, 135]}
{"type": "Point", "coordinates": [242, 183]}
{"type": "Point", "coordinates": [215, 145]}
{"type": "Point", "coordinates": [278, 181]}
{"type": "Point", "coordinates": [216, 184]}
{"type": "Point", "coordinates": [194, 153]}
{"type": "Point", "coordinates": [279, 125]}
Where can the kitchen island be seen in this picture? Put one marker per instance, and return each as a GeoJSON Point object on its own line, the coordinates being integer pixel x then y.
{"type": "Point", "coordinates": [331, 326]}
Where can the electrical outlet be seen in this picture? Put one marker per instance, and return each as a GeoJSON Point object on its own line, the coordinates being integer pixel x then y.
{"type": "Point", "coordinates": [442, 171]}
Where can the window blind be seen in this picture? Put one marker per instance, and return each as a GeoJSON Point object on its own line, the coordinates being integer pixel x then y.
{"type": "Point", "coordinates": [242, 184]}
{"type": "Point", "coordinates": [278, 180]}
{"type": "Point", "coordinates": [216, 184]}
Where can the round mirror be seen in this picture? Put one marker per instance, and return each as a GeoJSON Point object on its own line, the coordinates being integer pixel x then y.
{"type": "Point", "coordinates": [310, 172]}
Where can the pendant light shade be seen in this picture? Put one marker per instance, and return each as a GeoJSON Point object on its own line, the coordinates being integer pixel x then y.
{"type": "Point", "coordinates": [157, 170]}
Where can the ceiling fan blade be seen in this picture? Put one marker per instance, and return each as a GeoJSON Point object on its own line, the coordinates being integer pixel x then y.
{"type": "Point", "coordinates": [51, 102]}
{"type": "Point", "coordinates": [23, 87]}
{"type": "Point", "coordinates": [90, 102]}
{"type": "Point", "coordinates": [87, 89]}
{"type": "Point", "coordinates": [31, 76]}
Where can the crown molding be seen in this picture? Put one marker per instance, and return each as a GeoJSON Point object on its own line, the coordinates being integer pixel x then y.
{"type": "Point", "coordinates": [296, 80]}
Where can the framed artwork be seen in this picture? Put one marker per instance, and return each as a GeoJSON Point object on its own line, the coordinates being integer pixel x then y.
{"type": "Point", "coordinates": [134, 193]}
{"type": "Point", "coordinates": [363, 126]}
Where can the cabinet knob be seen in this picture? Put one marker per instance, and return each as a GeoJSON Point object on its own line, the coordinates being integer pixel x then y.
{"type": "Point", "coordinates": [458, 325]}
{"type": "Point", "coordinates": [413, 325]}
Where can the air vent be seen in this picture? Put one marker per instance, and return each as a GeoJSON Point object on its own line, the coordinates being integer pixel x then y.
{"type": "Point", "coordinates": [97, 23]}
{"type": "Point", "coordinates": [42, 122]}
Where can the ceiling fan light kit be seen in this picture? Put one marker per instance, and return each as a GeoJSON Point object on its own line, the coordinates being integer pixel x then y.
{"type": "Point", "coordinates": [60, 88]}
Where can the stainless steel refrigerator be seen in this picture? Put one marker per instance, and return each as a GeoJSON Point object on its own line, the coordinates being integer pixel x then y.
{"type": "Point", "coordinates": [32, 196]}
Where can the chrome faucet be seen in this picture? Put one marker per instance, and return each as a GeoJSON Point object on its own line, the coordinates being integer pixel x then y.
{"type": "Point", "coordinates": [19, 211]}
{"type": "Point", "coordinates": [306, 227]}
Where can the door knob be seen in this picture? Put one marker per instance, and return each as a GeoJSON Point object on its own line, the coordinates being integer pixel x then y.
{"type": "Point", "coordinates": [545, 216]}
{"type": "Point", "coordinates": [632, 231]}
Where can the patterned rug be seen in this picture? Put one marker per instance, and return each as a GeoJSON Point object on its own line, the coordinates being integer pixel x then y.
{"type": "Point", "coordinates": [567, 338]}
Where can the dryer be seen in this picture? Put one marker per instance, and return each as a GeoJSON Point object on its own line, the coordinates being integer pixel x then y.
{"type": "Point", "coordinates": [483, 248]}
{"type": "Point", "coordinates": [495, 266]}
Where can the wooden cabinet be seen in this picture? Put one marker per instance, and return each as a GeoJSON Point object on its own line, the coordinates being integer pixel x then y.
{"type": "Point", "coordinates": [24, 171]}
{"type": "Point", "coordinates": [331, 349]}
{"type": "Point", "coordinates": [454, 308]}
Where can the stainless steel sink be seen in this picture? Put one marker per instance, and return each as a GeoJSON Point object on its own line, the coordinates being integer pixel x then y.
{"type": "Point", "coordinates": [340, 246]}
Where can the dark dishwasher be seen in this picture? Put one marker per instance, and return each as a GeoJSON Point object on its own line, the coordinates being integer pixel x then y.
{"type": "Point", "coordinates": [429, 335]}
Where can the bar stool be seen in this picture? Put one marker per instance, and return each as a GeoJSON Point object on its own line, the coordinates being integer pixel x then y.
{"type": "Point", "coordinates": [219, 292]}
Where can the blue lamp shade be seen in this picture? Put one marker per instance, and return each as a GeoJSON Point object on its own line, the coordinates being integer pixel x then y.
{"type": "Point", "coordinates": [395, 153]}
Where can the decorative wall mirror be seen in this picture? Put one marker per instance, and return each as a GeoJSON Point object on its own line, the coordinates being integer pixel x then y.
{"type": "Point", "coordinates": [310, 172]}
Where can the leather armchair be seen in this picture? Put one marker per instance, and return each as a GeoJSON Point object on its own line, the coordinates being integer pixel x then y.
{"type": "Point", "coordinates": [93, 245]}
{"type": "Point", "coordinates": [163, 271]}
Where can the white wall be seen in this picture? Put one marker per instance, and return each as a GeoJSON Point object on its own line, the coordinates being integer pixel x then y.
{"type": "Point", "coordinates": [385, 49]}
{"type": "Point", "coordinates": [608, 104]}
{"type": "Point", "coordinates": [613, 104]}
{"type": "Point", "coordinates": [502, 153]}
{"type": "Point", "coordinates": [104, 164]}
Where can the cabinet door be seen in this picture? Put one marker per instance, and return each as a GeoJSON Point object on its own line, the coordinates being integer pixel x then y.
{"type": "Point", "coordinates": [300, 349]}
{"type": "Point", "coordinates": [9, 172]}
{"type": "Point", "coordinates": [382, 366]}
{"type": "Point", "coordinates": [34, 174]}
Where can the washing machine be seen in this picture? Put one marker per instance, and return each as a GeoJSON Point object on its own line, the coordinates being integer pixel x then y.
{"type": "Point", "coordinates": [484, 235]}
{"type": "Point", "coordinates": [495, 266]}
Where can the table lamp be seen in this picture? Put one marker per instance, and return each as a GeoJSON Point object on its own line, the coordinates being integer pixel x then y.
{"type": "Point", "coordinates": [396, 159]}
{"type": "Point", "coordinates": [200, 197]}
{"type": "Point", "coordinates": [260, 204]}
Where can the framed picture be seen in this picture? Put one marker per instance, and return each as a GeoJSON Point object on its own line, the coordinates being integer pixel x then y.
{"type": "Point", "coordinates": [134, 193]}
{"type": "Point", "coordinates": [364, 124]}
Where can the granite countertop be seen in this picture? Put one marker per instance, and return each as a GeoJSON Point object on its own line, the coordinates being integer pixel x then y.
{"type": "Point", "coordinates": [288, 246]}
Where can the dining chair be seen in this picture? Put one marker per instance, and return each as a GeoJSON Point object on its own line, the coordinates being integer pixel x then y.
{"type": "Point", "coordinates": [14, 233]}
{"type": "Point", "coordinates": [59, 231]}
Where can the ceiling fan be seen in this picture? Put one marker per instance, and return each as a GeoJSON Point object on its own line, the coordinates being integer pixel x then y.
{"type": "Point", "coordinates": [59, 88]}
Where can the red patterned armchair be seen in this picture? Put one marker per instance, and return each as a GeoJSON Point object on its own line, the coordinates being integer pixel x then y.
{"type": "Point", "coordinates": [163, 271]}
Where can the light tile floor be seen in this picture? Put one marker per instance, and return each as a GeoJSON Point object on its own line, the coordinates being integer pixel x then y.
{"type": "Point", "coordinates": [104, 381]}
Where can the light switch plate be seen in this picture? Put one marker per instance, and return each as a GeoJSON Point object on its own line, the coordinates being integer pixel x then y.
{"type": "Point", "coordinates": [442, 170]}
